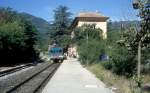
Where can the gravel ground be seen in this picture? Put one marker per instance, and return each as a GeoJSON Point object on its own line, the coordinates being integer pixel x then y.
{"type": "Point", "coordinates": [4, 68]}
{"type": "Point", "coordinates": [7, 82]}
{"type": "Point", "coordinates": [10, 67]}
{"type": "Point", "coordinates": [33, 84]}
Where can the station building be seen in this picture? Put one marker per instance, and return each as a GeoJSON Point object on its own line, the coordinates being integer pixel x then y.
{"type": "Point", "coordinates": [99, 20]}
{"type": "Point", "coordinates": [89, 18]}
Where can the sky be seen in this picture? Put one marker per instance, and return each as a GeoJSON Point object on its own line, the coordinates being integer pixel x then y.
{"type": "Point", "coordinates": [114, 9]}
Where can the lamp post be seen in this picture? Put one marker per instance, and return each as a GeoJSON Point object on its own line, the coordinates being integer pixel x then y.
{"type": "Point", "coordinates": [141, 5]}
{"type": "Point", "coordinates": [87, 41]}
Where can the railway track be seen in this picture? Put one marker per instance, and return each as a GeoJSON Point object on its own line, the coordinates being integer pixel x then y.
{"type": "Point", "coordinates": [35, 83]}
{"type": "Point", "coordinates": [14, 69]}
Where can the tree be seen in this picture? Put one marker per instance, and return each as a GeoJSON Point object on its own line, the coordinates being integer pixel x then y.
{"type": "Point", "coordinates": [60, 25]}
{"type": "Point", "coordinates": [90, 48]}
{"type": "Point", "coordinates": [142, 39]}
{"type": "Point", "coordinates": [17, 37]}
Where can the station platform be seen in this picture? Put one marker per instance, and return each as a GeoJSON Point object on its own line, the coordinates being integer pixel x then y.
{"type": "Point", "coordinates": [71, 77]}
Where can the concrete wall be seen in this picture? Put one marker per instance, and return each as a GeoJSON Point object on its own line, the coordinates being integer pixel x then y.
{"type": "Point", "coordinates": [101, 25]}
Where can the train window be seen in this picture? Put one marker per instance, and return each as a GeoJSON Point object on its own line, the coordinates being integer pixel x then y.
{"type": "Point", "coordinates": [51, 51]}
{"type": "Point", "coordinates": [56, 50]}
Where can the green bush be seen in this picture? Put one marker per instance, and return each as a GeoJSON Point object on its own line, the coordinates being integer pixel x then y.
{"type": "Point", "coordinates": [89, 49]}
{"type": "Point", "coordinates": [89, 52]}
{"type": "Point", "coordinates": [107, 64]}
{"type": "Point", "coordinates": [123, 62]}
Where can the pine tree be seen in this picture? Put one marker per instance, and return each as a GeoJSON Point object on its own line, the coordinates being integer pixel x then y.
{"type": "Point", "coordinates": [60, 25]}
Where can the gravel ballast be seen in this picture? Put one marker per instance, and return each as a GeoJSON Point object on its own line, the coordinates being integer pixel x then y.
{"type": "Point", "coordinates": [8, 82]}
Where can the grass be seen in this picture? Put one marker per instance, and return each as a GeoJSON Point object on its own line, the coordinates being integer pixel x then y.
{"type": "Point", "coordinates": [146, 79]}
{"type": "Point", "coordinates": [122, 84]}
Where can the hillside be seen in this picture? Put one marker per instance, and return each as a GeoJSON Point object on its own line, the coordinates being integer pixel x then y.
{"type": "Point", "coordinates": [116, 25]}
{"type": "Point", "coordinates": [43, 28]}
{"type": "Point", "coordinates": [41, 24]}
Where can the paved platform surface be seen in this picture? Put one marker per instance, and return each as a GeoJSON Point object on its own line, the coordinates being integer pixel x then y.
{"type": "Point", "coordinates": [71, 77]}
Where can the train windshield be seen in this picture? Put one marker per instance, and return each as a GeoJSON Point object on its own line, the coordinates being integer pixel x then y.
{"type": "Point", "coordinates": [56, 50]}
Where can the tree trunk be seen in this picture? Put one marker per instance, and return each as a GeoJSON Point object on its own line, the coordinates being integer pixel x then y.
{"type": "Point", "coordinates": [139, 61]}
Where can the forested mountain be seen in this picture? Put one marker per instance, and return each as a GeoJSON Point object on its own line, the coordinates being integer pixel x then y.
{"type": "Point", "coordinates": [43, 28]}
{"type": "Point", "coordinates": [41, 24]}
{"type": "Point", "coordinates": [118, 25]}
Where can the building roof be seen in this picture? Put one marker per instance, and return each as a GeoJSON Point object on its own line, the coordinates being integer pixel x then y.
{"type": "Point", "coordinates": [88, 17]}
{"type": "Point", "coordinates": [90, 14]}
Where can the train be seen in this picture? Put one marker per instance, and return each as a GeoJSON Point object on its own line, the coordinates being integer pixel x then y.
{"type": "Point", "coordinates": [56, 54]}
